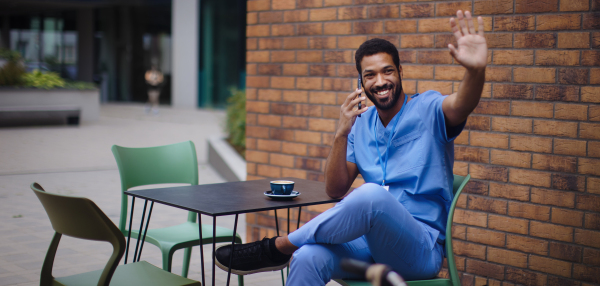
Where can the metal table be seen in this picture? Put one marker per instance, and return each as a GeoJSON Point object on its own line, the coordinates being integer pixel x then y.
{"type": "Point", "coordinates": [232, 198]}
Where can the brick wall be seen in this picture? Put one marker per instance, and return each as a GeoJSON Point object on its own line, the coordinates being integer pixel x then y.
{"type": "Point", "coordinates": [531, 214]}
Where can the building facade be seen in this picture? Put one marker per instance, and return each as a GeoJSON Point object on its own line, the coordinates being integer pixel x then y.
{"type": "Point", "coordinates": [531, 214]}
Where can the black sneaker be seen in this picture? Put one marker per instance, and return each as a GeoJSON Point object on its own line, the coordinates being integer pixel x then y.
{"type": "Point", "coordinates": [250, 258]}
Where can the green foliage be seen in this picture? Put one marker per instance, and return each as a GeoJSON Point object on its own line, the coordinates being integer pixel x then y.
{"type": "Point", "coordinates": [46, 80]}
{"type": "Point", "coordinates": [81, 85]}
{"type": "Point", "coordinates": [12, 71]}
{"type": "Point", "coordinates": [236, 120]}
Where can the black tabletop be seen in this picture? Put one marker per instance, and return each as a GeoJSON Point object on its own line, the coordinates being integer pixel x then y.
{"type": "Point", "coordinates": [235, 197]}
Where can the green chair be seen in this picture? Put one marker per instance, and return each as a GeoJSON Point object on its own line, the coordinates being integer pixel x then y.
{"type": "Point", "coordinates": [81, 218]}
{"type": "Point", "coordinates": [175, 163]}
{"type": "Point", "coordinates": [459, 184]}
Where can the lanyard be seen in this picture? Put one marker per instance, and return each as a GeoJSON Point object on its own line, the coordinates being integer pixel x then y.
{"type": "Point", "coordinates": [384, 163]}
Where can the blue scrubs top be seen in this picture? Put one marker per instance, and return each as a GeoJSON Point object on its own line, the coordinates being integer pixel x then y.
{"type": "Point", "coordinates": [419, 165]}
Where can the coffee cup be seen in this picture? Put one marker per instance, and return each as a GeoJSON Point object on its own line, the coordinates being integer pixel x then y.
{"type": "Point", "coordinates": [282, 187]}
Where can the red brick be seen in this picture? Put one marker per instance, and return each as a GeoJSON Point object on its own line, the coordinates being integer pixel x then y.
{"type": "Point", "coordinates": [535, 40]}
{"type": "Point", "coordinates": [532, 109]}
{"type": "Point", "coordinates": [567, 217]}
{"type": "Point", "coordinates": [589, 131]}
{"type": "Point", "coordinates": [551, 197]}
{"type": "Point", "coordinates": [513, 125]}
{"type": "Point", "coordinates": [594, 149]}
{"type": "Point", "coordinates": [308, 137]}
{"type": "Point", "coordinates": [471, 154]}
{"type": "Point", "coordinates": [322, 97]}
{"type": "Point", "coordinates": [556, 58]}
{"type": "Point", "coordinates": [322, 43]}
{"type": "Point", "coordinates": [270, 44]}
{"type": "Point", "coordinates": [470, 217]}
{"type": "Point", "coordinates": [352, 13]}
{"type": "Point", "coordinates": [476, 187]}
{"type": "Point", "coordinates": [551, 231]}
{"type": "Point", "coordinates": [257, 106]}
{"type": "Point", "coordinates": [525, 277]}
{"type": "Point", "coordinates": [555, 128]}
{"type": "Point", "coordinates": [270, 17]}
{"type": "Point", "coordinates": [400, 26]}
{"type": "Point", "coordinates": [487, 7]}
{"type": "Point", "coordinates": [535, 75]}
{"type": "Point", "coordinates": [433, 25]}
{"type": "Point", "coordinates": [485, 172]}
{"type": "Point", "coordinates": [326, 14]}
{"type": "Point", "coordinates": [573, 76]}
{"type": "Point", "coordinates": [534, 6]}
{"type": "Point", "coordinates": [416, 41]}
{"type": "Point", "coordinates": [571, 111]}
{"type": "Point", "coordinates": [294, 148]}
{"type": "Point", "coordinates": [269, 69]}
{"type": "Point", "coordinates": [594, 113]}
{"type": "Point", "coordinates": [557, 93]}
{"type": "Point", "coordinates": [268, 145]}
{"type": "Point", "coordinates": [554, 163]}
{"type": "Point", "coordinates": [513, 192]}
{"type": "Point", "coordinates": [574, 5]}
{"type": "Point", "coordinates": [513, 23]}
{"type": "Point", "coordinates": [592, 221]}
{"type": "Point", "coordinates": [283, 30]}
{"type": "Point", "coordinates": [485, 236]}
{"type": "Point", "coordinates": [295, 96]}
{"type": "Point", "coordinates": [590, 94]}
{"type": "Point", "coordinates": [434, 57]}
{"type": "Point", "coordinates": [442, 87]}
{"type": "Point", "coordinates": [528, 143]}
{"type": "Point", "coordinates": [295, 69]}
{"type": "Point", "coordinates": [491, 107]}
{"type": "Point", "coordinates": [325, 125]}
{"type": "Point", "coordinates": [328, 3]}
{"type": "Point", "coordinates": [375, 27]}
{"type": "Point", "coordinates": [512, 91]}
{"type": "Point", "coordinates": [309, 56]}
{"type": "Point", "coordinates": [292, 122]}
{"type": "Point", "coordinates": [487, 139]}
{"type": "Point", "coordinates": [337, 28]}
{"type": "Point", "coordinates": [283, 5]}
{"type": "Point", "coordinates": [295, 43]}
{"type": "Point", "coordinates": [485, 269]}
{"type": "Point", "coordinates": [309, 110]}
{"type": "Point", "coordinates": [308, 164]}
{"type": "Point", "coordinates": [418, 72]}
{"type": "Point", "coordinates": [268, 171]}
{"type": "Point", "coordinates": [338, 84]}
{"type": "Point", "coordinates": [558, 22]}
{"type": "Point", "coordinates": [586, 273]}
{"type": "Point", "coordinates": [309, 3]}
{"type": "Point", "coordinates": [527, 244]}
{"type": "Point", "coordinates": [498, 74]}
{"type": "Point", "coordinates": [251, 43]}
{"type": "Point", "coordinates": [478, 123]}
{"type": "Point", "coordinates": [591, 256]}
{"type": "Point", "coordinates": [587, 237]}
{"type": "Point", "coordinates": [338, 57]}
{"type": "Point", "coordinates": [507, 257]}
{"type": "Point", "coordinates": [488, 205]}
{"type": "Point", "coordinates": [593, 185]}
{"type": "Point", "coordinates": [281, 160]}
{"type": "Point", "coordinates": [281, 134]}
{"type": "Point", "coordinates": [590, 58]}
{"type": "Point", "coordinates": [529, 177]}
{"type": "Point", "coordinates": [468, 249]}
{"type": "Point", "coordinates": [295, 16]}
{"type": "Point", "coordinates": [258, 5]}
{"type": "Point", "coordinates": [573, 40]}
{"type": "Point", "coordinates": [568, 182]}
{"type": "Point", "coordinates": [529, 211]}
{"type": "Point", "coordinates": [318, 151]}
{"type": "Point", "coordinates": [314, 83]}
{"type": "Point", "coordinates": [595, 39]}
{"type": "Point", "coordinates": [322, 70]}
{"type": "Point", "coordinates": [351, 42]}
{"type": "Point", "coordinates": [257, 56]}
{"type": "Point", "coordinates": [416, 10]}
{"type": "Point", "coordinates": [284, 82]}
{"type": "Point", "coordinates": [588, 202]}
{"type": "Point", "coordinates": [497, 40]}
{"type": "Point", "coordinates": [295, 173]}
{"type": "Point", "coordinates": [384, 11]}
{"type": "Point", "coordinates": [591, 21]}
{"type": "Point", "coordinates": [310, 29]}
{"type": "Point", "coordinates": [257, 81]}
{"type": "Point", "coordinates": [257, 156]}
{"type": "Point", "coordinates": [549, 265]}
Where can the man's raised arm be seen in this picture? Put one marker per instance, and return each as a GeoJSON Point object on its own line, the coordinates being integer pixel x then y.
{"type": "Point", "coordinates": [471, 54]}
{"type": "Point", "coordinates": [339, 173]}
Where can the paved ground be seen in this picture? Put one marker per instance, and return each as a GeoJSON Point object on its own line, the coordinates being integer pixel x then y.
{"type": "Point", "coordinates": [78, 161]}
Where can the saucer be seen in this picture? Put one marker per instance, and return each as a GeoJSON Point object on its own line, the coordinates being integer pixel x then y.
{"type": "Point", "coordinates": [282, 197]}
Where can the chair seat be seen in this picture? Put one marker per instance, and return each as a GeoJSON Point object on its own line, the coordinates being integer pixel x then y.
{"type": "Point", "coordinates": [139, 273]}
{"type": "Point", "coordinates": [430, 282]}
{"type": "Point", "coordinates": [185, 235]}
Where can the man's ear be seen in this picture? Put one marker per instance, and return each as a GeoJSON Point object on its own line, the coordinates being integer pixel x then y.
{"type": "Point", "coordinates": [400, 72]}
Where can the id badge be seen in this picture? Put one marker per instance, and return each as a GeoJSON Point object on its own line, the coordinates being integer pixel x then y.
{"type": "Point", "coordinates": [387, 188]}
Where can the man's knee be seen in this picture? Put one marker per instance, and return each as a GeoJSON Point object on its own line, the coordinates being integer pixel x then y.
{"type": "Point", "coordinates": [315, 259]}
{"type": "Point", "coordinates": [368, 193]}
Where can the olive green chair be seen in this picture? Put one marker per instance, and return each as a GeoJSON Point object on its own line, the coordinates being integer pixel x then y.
{"type": "Point", "coordinates": [81, 218]}
{"type": "Point", "coordinates": [459, 184]}
{"type": "Point", "coordinates": [174, 163]}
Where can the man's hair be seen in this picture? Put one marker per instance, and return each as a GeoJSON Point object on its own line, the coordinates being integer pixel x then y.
{"type": "Point", "coordinates": [375, 46]}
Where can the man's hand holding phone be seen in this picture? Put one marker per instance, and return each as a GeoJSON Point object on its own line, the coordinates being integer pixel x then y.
{"type": "Point", "coordinates": [348, 114]}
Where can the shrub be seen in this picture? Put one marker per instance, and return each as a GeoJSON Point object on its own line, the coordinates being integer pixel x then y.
{"type": "Point", "coordinates": [236, 120]}
{"type": "Point", "coordinates": [46, 80]}
{"type": "Point", "coordinates": [12, 72]}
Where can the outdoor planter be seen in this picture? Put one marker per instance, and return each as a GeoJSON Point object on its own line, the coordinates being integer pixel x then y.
{"type": "Point", "coordinates": [23, 106]}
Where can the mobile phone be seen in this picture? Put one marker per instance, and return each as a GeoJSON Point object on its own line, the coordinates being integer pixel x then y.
{"type": "Point", "coordinates": [360, 87]}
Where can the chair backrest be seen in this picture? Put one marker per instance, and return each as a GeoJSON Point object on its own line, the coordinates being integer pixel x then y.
{"type": "Point", "coordinates": [79, 218]}
{"type": "Point", "coordinates": [457, 187]}
{"type": "Point", "coordinates": [174, 163]}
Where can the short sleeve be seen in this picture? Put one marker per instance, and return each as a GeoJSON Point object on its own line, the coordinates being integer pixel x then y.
{"type": "Point", "coordinates": [350, 146]}
{"type": "Point", "coordinates": [432, 114]}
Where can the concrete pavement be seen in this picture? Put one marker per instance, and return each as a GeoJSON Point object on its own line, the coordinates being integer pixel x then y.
{"type": "Point", "coordinates": [78, 161]}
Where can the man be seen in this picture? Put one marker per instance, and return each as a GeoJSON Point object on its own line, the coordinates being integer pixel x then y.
{"type": "Point", "coordinates": [403, 149]}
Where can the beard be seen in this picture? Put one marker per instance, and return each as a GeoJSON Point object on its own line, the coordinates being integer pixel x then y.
{"type": "Point", "coordinates": [390, 101]}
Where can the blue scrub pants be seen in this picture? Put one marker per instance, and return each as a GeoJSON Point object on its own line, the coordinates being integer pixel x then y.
{"type": "Point", "coordinates": [368, 225]}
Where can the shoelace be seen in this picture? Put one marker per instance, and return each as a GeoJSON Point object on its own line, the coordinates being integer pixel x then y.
{"type": "Point", "coordinates": [248, 250]}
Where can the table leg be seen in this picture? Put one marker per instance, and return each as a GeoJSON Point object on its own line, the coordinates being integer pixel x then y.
{"type": "Point", "coordinates": [277, 227]}
{"type": "Point", "coordinates": [232, 244]}
{"type": "Point", "coordinates": [146, 231]}
{"type": "Point", "coordinates": [214, 242]}
{"type": "Point", "coordinates": [129, 233]}
{"type": "Point", "coordinates": [299, 211]}
{"type": "Point", "coordinates": [137, 244]}
{"type": "Point", "coordinates": [201, 248]}
{"type": "Point", "coordinates": [288, 232]}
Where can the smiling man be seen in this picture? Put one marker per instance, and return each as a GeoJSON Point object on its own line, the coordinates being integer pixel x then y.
{"type": "Point", "coordinates": [403, 148]}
